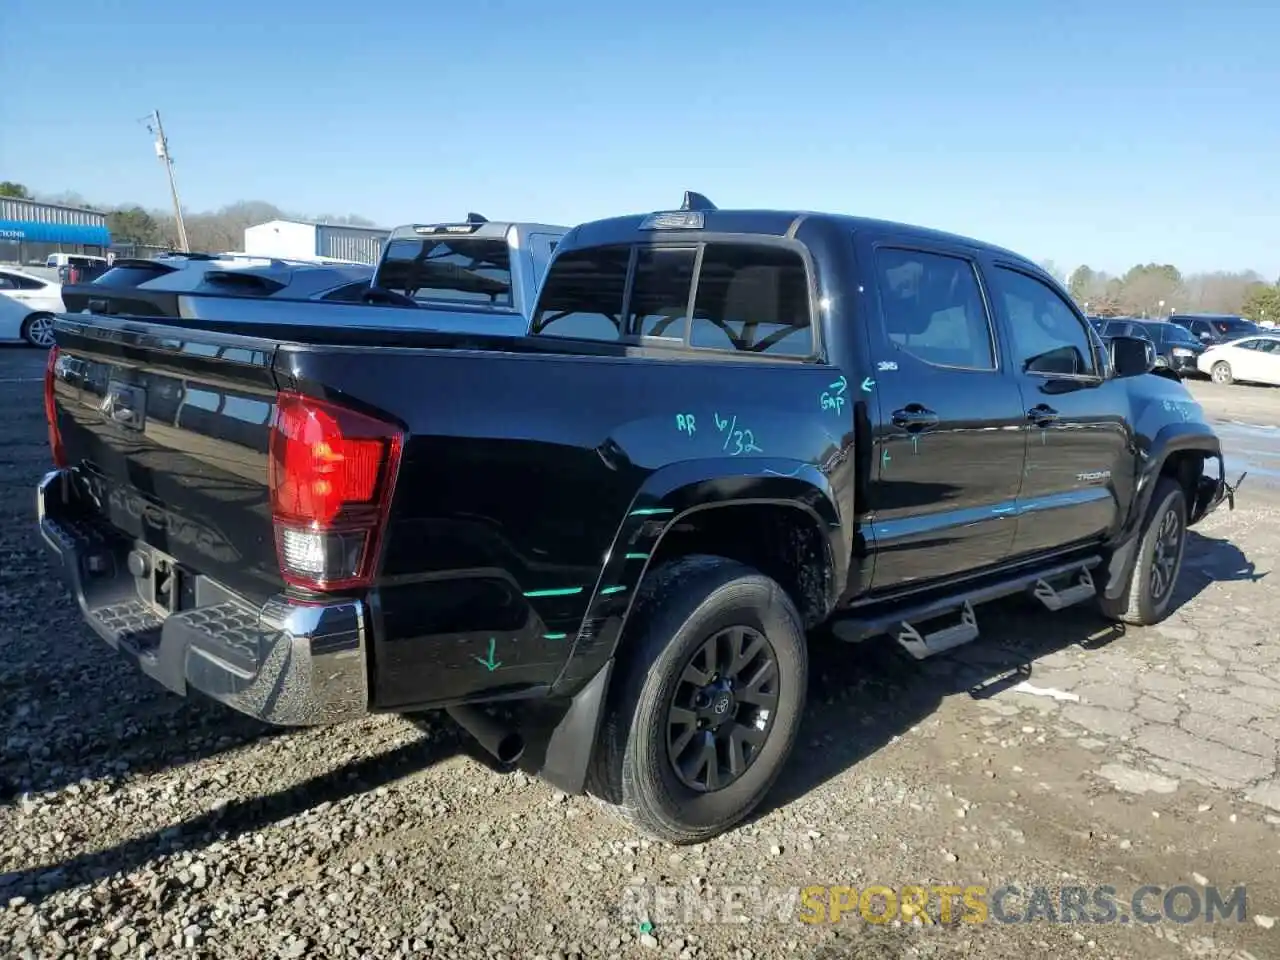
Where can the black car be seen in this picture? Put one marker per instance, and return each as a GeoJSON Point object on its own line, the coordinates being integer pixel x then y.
{"type": "Point", "coordinates": [1175, 347]}
{"type": "Point", "coordinates": [185, 274]}
{"type": "Point", "coordinates": [1211, 328]}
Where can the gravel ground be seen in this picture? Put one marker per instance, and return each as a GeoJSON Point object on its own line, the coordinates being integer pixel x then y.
{"type": "Point", "coordinates": [137, 824]}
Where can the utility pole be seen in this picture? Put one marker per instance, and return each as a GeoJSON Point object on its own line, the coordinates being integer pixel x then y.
{"type": "Point", "coordinates": [162, 151]}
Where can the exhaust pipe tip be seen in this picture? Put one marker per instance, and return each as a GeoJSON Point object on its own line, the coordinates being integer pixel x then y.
{"type": "Point", "coordinates": [509, 749]}
{"type": "Point", "coordinates": [500, 741]}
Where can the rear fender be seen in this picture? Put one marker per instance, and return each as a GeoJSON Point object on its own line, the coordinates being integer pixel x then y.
{"type": "Point", "coordinates": [672, 494]}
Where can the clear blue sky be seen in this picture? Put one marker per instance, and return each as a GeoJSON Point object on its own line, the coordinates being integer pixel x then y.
{"type": "Point", "coordinates": [1105, 133]}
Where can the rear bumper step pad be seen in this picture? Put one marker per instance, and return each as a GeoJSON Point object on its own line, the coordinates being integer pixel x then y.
{"type": "Point", "coordinates": [285, 663]}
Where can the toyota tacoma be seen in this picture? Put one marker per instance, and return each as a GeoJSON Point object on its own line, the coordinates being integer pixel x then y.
{"type": "Point", "coordinates": [720, 431]}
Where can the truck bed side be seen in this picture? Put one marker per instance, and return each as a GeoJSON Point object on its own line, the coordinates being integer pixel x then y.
{"type": "Point", "coordinates": [515, 523]}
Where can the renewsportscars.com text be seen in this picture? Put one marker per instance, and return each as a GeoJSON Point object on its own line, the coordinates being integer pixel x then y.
{"type": "Point", "coordinates": [934, 904]}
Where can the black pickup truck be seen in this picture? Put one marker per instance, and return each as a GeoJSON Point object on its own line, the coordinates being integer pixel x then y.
{"type": "Point", "coordinates": [722, 430]}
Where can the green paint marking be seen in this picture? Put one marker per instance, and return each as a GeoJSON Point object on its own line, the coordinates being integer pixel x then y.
{"type": "Point", "coordinates": [646, 927]}
{"type": "Point", "coordinates": [608, 590]}
{"type": "Point", "coordinates": [651, 511]}
{"type": "Point", "coordinates": [554, 636]}
{"type": "Point", "coordinates": [637, 556]}
{"type": "Point", "coordinates": [489, 662]}
{"type": "Point", "coordinates": [558, 592]}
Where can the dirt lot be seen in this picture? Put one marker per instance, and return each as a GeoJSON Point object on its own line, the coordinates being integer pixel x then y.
{"type": "Point", "coordinates": [135, 824]}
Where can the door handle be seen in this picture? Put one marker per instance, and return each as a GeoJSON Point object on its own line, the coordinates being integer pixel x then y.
{"type": "Point", "coordinates": [914, 418]}
{"type": "Point", "coordinates": [1042, 414]}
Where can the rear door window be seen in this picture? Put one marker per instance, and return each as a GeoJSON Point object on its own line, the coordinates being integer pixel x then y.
{"type": "Point", "coordinates": [933, 308]}
{"type": "Point", "coordinates": [14, 281]}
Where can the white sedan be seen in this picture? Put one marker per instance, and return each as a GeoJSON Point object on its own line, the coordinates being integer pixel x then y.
{"type": "Point", "coordinates": [1251, 359]}
{"type": "Point", "coordinates": [27, 307]}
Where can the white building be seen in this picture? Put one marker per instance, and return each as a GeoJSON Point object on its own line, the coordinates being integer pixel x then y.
{"type": "Point", "coordinates": [296, 240]}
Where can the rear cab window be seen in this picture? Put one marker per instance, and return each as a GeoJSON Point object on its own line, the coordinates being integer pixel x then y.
{"type": "Point", "coordinates": [742, 297]}
{"type": "Point", "coordinates": [453, 270]}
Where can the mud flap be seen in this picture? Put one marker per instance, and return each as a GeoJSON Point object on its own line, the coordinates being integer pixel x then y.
{"type": "Point", "coordinates": [563, 755]}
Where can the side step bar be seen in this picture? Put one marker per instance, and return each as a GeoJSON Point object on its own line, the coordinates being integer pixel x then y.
{"type": "Point", "coordinates": [1056, 599]}
{"type": "Point", "coordinates": [901, 620]}
{"type": "Point", "coordinates": [921, 645]}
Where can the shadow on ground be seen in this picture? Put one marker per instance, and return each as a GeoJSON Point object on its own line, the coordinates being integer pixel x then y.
{"type": "Point", "coordinates": [861, 696]}
{"type": "Point", "coordinates": [230, 822]}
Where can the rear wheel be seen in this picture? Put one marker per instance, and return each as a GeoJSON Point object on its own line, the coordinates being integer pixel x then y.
{"type": "Point", "coordinates": [707, 703]}
{"type": "Point", "coordinates": [1149, 595]}
{"type": "Point", "coordinates": [1221, 372]}
{"type": "Point", "coordinates": [37, 330]}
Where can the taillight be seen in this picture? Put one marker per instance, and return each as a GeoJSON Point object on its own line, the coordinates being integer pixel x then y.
{"type": "Point", "coordinates": [51, 410]}
{"type": "Point", "coordinates": [332, 473]}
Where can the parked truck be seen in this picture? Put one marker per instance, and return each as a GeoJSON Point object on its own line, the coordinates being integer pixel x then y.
{"type": "Point", "coordinates": [623, 525]}
{"type": "Point", "coordinates": [475, 275]}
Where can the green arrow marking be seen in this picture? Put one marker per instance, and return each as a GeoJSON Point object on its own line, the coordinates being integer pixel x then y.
{"type": "Point", "coordinates": [867, 384]}
{"type": "Point", "coordinates": [488, 662]}
{"type": "Point", "coordinates": [839, 386]}
{"type": "Point", "coordinates": [884, 457]}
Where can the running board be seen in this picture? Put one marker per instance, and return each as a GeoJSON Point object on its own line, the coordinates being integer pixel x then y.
{"type": "Point", "coordinates": [1055, 599]}
{"type": "Point", "coordinates": [921, 645]}
{"type": "Point", "coordinates": [891, 618]}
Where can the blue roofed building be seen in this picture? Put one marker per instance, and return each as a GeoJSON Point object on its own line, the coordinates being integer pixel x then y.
{"type": "Point", "coordinates": [30, 231]}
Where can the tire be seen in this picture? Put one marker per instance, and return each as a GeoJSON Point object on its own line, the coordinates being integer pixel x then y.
{"type": "Point", "coordinates": [682, 606]}
{"type": "Point", "coordinates": [1221, 373]}
{"type": "Point", "coordinates": [1144, 603]}
{"type": "Point", "coordinates": [37, 330]}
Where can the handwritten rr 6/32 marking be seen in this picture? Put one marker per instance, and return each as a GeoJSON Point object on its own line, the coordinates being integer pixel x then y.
{"type": "Point", "coordinates": [685, 423]}
{"type": "Point", "coordinates": [743, 439]}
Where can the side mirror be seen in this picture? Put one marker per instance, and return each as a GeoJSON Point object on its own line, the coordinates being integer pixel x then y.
{"type": "Point", "coordinates": [1131, 356]}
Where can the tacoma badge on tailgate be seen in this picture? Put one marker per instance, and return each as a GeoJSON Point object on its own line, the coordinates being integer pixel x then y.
{"type": "Point", "coordinates": [125, 405]}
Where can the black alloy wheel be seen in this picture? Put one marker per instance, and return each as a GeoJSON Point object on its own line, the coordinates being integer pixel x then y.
{"type": "Point", "coordinates": [1148, 596]}
{"type": "Point", "coordinates": [706, 700]}
{"type": "Point", "coordinates": [723, 709]}
{"type": "Point", "coordinates": [1167, 554]}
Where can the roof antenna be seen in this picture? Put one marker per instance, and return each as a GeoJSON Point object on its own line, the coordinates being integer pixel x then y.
{"type": "Point", "coordinates": [476, 218]}
{"type": "Point", "coordinates": [696, 201]}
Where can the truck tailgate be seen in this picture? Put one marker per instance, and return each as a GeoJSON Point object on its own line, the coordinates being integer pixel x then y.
{"type": "Point", "coordinates": [169, 429]}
